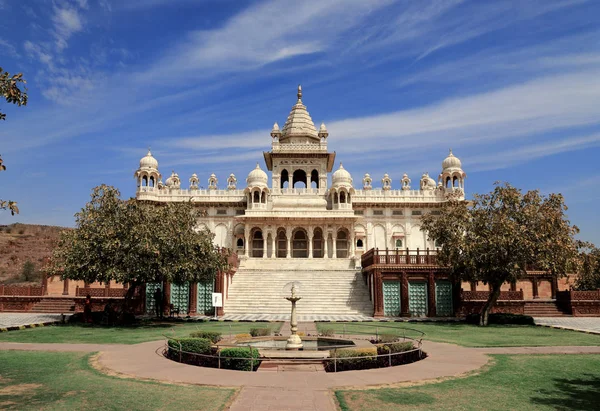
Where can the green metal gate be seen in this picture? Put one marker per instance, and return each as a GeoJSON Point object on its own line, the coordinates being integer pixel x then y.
{"type": "Point", "coordinates": [417, 298]}
{"type": "Point", "coordinates": [443, 298]}
{"type": "Point", "coordinates": [205, 299]}
{"type": "Point", "coordinates": [391, 298]}
{"type": "Point", "coordinates": [150, 303]}
{"type": "Point", "coordinates": [180, 296]}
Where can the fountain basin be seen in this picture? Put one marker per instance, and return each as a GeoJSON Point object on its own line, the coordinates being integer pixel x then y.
{"type": "Point", "coordinates": [309, 343]}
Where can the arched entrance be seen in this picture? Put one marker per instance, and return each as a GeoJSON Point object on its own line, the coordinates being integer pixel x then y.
{"type": "Point", "coordinates": [318, 243]}
{"type": "Point", "coordinates": [257, 244]}
{"type": "Point", "coordinates": [281, 244]}
{"type": "Point", "coordinates": [300, 244]}
{"type": "Point", "coordinates": [341, 244]}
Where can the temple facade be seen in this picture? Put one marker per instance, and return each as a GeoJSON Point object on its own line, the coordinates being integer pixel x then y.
{"type": "Point", "coordinates": [288, 223]}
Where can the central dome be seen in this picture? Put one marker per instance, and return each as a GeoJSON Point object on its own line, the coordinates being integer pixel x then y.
{"type": "Point", "coordinates": [451, 162]}
{"type": "Point", "coordinates": [257, 177]}
{"type": "Point", "coordinates": [341, 177]}
{"type": "Point", "coordinates": [299, 127]}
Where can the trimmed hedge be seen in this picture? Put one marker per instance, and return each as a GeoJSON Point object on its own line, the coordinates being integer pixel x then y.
{"type": "Point", "coordinates": [239, 364]}
{"type": "Point", "coordinates": [368, 360]}
{"type": "Point", "coordinates": [502, 319]}
{"type": "Point", "coordinates": [213, 336]}
{"type": "Point", "coordinates": [191, 346]}
{"type": "Point", "coordinates": [260, 332]}
{"type": "Point", "coordinates": [242, 336]}
{"type": "Point", "coordinates": [394, 348]}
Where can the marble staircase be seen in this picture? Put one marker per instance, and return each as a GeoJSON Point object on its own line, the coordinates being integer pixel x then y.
{"type": "Point", "coordinates": [329, 287]}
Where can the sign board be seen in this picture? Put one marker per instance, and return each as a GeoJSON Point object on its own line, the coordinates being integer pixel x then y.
{"type": "Point", "coordinates": [217, 299]}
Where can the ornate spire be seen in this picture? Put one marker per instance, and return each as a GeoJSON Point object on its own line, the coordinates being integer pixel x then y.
{"type": "Point", "coordinates": [299, 93]}
{"type": "Point", "coordinates": [299, 123]}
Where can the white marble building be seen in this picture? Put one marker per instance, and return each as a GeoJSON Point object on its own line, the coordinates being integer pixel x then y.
{"type": "Point", "coordinates": [292, 213]}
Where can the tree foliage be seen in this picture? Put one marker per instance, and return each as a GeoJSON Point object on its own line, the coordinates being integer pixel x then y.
{"type": "Point", "coordinates": [10, 91]}
{"type": "Point", "coordinates": [28, 272]}
{"type": "Point", "coordinates": [135, 242]}
{"type": "Point", "coordinates": [500, 235]}
{"type": "Point", "coordinates": [588, 275]}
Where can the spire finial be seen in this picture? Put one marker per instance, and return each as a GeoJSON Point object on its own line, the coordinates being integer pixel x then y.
{"type": "Point", "coordinates": [450, 152]}
{"type": "Point", "coordinates": [299, 92]}
{"type": "Point", "coordinates": [149, 151]}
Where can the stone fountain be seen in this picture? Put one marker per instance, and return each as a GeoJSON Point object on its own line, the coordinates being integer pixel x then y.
{"type": "Point", "coordinates": [294, 342]}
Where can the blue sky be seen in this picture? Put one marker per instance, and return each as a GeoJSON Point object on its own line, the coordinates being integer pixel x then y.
{"type": "Point", "coordinates": [513, 87]}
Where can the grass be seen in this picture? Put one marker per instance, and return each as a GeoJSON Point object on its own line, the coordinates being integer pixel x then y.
{"type": "Point", "coordinates": [530, 382]}
{"type": "Point", "coordinates": [83, 333]}
{"type": "Point", "coordinates": [66, 381]}
{"type": "Point", "coordinates": [471, 335]}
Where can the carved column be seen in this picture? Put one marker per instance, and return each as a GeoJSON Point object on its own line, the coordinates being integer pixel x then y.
{"type": "Point", "coordinates": [310, 242]}
{"type": "Point", "coordinates": [431, 295]}
{"type": "Point", "coordinates": [325, 244]}
{"type": "Point", "coordinates": [288, 236]}
{"type": "Point", "coordinates": [273, 245]}
{"type": "Point", "coordinates": [378, 294]}
{"type": "Point", "coordinates": [404, 295]}
{"type": "Point", "coordinates": [334, 245]}
{"type": "Point", "coordinates": [352, 244]}
{"type": "Point", "coordinates": [513, 286]}
{"type": "Point", "coordinates": [66, 286]}
{"type": "Point", "coordinates": [246, 241]}
{"type": "Point", "coordinates": [264, 245]}
{"type": "Point", "coordinates": [554, 287]}
{"type": "Point", "coordinates": [534, 286]}
{"type": "Point", "coordinates": [193, 306]}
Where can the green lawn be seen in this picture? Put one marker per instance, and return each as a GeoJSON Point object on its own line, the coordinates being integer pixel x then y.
{"type": "Point", "coordinates": [81, 333]}
{"type": "Point", "coordinates": [65, 381]}
{"type": "Point", "coordinates": [523, 382]}
{"type": "Point", "coordinates": [471, 335]}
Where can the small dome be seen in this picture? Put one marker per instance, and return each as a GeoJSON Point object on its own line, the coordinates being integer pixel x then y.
{"type": "Point", "coordinates": [257, 177]}
{"type": "Point", "coordinates": [451, 162]}
{"type": "Point", "coordinates": [149, 162]}
{"type": "Point", "coordinates": [341, 177]}
{"type": "Point", "coordinates": [173, 180]}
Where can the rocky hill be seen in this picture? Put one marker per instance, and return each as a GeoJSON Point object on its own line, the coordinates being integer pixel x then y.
{"type": "Point", "coordinates": [20, 243]}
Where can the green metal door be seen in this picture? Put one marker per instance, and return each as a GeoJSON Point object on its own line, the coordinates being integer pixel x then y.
{"type": "Point", "coordinates": [443, 298]}
{"type": "Point", "coordinates": [205, 299]}
{"type": "Point", "coordinates": [150, 303]}
{"type": "Point", "coordinates": [180, 296]}
{"type": "Point", "coordinates": [417, 298]}
{"type": "Point", "coordinates": [391, 298]}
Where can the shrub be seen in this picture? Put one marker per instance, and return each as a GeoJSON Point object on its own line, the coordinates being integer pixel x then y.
{"type": "Point", "coordinates": [242, 336]}
{"type": "Point", "coordinates": [189, 347]}
{"type": "Point", "coordinates": [387, 338]}
{"type": "Point", "coordinates": [394, 348]}
{"type": "Point", "coordinates": [260, 332]}
{"type": "Point", "coordinates": [351, 359]}
{"type": "Point", "coordinates": [213, 336]}
{"type": "Point", "coordinates": [327, 332]}
{"type": "Point", "coordinates": [502, 319]}
{"type": "Point", "coordinates": [28, 272]}
{"type": "Point", "coordinates": [237, 359]}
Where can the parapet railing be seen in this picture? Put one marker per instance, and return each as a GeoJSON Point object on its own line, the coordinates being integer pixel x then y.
{"type": "Point", "coordinates": [399, 256]}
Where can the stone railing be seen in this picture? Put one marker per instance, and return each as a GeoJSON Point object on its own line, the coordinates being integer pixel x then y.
{"type": "Point", "coordinates": [398, 257]}
{"type": "Point", "coordinates": [484, 295]}
{"type": "Point", "coordinates": [578, 295]}
{"type": "Point", "coordinates": [278, 147]}
{"type": "Point", "coordinates": [21, 291]}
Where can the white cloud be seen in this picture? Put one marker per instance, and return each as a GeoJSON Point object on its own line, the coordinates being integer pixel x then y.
{"type": "Point", "coordinates": [67, 21]}
{"type": "Point", "coordinates": [37, 52]}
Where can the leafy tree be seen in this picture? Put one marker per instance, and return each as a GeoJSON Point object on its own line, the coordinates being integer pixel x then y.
{"type": "Point", "coordinates": [497, 237]}
{"type": "Point", "coordinates": [10, 91]}
{"type": "Point", "coordinates": [28, 271]}
{"type": "Point", "coordinates": [588, 275]}
{"type": "Point", "coordinates": [135, 242]}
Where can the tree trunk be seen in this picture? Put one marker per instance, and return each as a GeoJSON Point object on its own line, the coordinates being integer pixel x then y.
{"type": "Point", "coordinates": [129, 295]}
{"type": "Point", "coordinates": [494, 295]}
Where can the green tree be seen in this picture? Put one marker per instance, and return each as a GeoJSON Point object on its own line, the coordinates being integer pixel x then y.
{"type": "Point", "coordinates": [135, 242]}
{"type": "Point", "coordinates": [10, 91]}
{"type": "Point", "coordinates": [497, 237]}
{"type": "Point", "coordinates": [28, 272]}
{"type": "Point", "coordinates": [588, 275]}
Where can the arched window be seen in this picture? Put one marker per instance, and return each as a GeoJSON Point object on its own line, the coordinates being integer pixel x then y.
{"type": "Point", "coordinates": [256, 197]}
{"type": "Point", "coordinates": [285, 178]}
{"type": "Point", "coordinates": [348, 198]}
{"type": "Point", "coordinates": [335, 198]}
{"type": "Point", "coordinates": [299, 180]}
{"type": "Point", "coordinates": [398, 243]}
{"type": "Point", "coordinates": [145, 181]}
{"type": "Point", "coordinates": [342, 197]}
{"type": "Point", "coordinates": [359, 243]}
{"type": "Point", "coordinates": [152, 181]}
{"type": "Point", "coordinates": [257, 244]}
{"type": "Point", "coordinates": [447, 182]}
{"type": "Point", "coordinates": [240, 243]}
{"type": "Point", "coordinates": [341, 244]}
{"type": "Point", "coordinates": [263, 197]}
{"type": "Point", "coordinates": [314, 179]}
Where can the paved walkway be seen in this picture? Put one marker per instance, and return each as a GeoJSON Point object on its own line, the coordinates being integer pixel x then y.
{"type": "Point", "coordinates": [24, 319]}
{"type": "Point", "coordinates": [299, 390]}
{"type": "Point", "coordinates": [585, 324]}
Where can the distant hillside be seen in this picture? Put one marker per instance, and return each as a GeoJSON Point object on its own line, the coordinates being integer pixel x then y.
{"type": "Point", "coordinates": [22, 242]}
